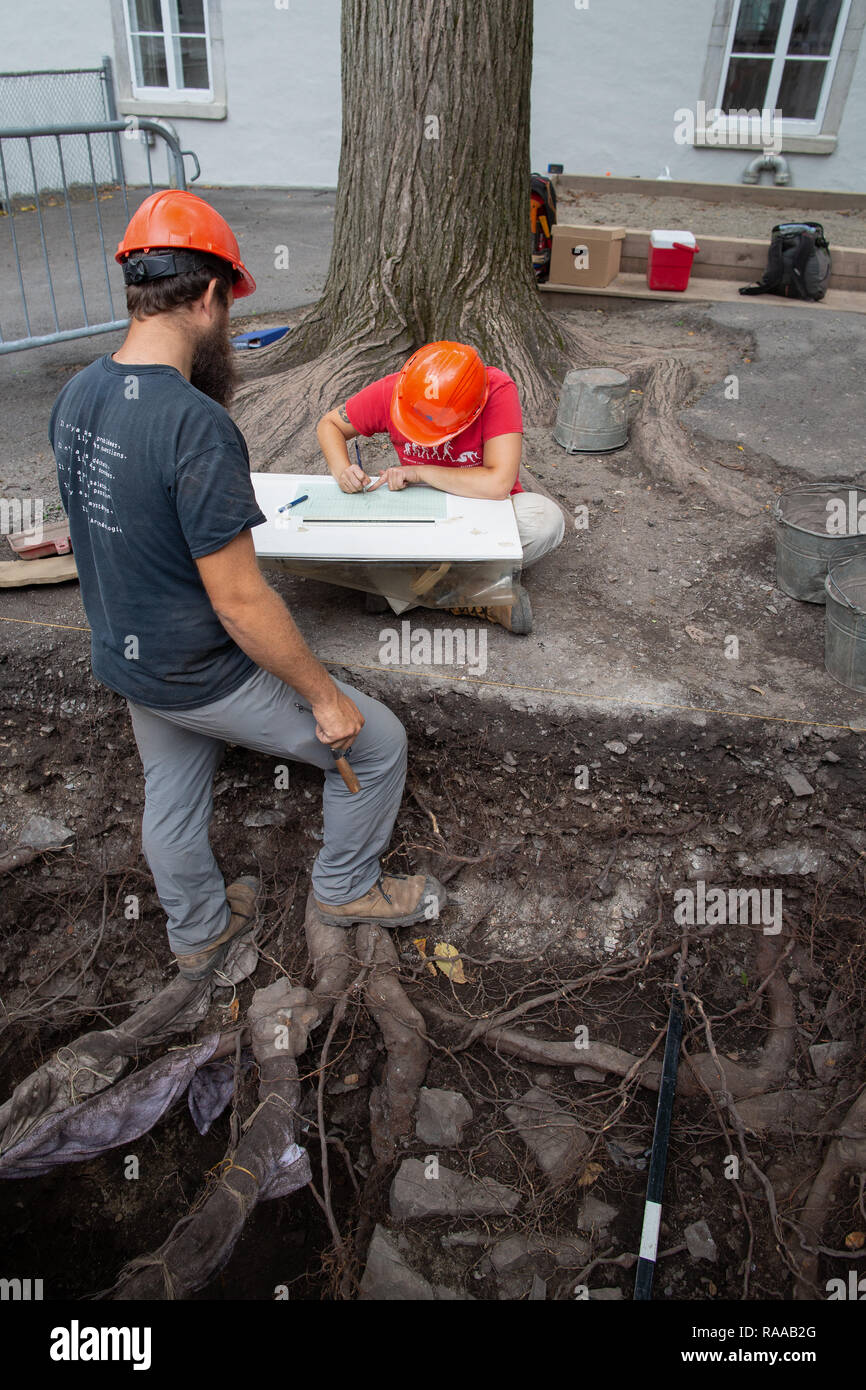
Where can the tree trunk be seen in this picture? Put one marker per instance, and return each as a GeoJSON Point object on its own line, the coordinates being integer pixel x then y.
{"type": "Point", "coordinates": [431, 236]}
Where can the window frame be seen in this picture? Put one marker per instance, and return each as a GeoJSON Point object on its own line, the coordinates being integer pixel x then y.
{"type": "Point", "coordinates": [795, 125]}
{"type": "Point", "coordinates": [816, 136]}
{"type": "Point", "coordinates": [173, 91]}
{"type": "Point", "coordinates": [196, 103]}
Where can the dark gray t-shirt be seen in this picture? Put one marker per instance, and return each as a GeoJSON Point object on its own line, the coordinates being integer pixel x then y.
{"type": "Point", "coordinates": [153, 475]}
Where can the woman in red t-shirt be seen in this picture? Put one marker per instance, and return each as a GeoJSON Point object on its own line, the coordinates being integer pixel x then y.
{"type": "Point", "coordinates": [455, 425]}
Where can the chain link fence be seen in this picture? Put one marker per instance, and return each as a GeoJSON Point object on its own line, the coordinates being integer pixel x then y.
{"type": "Point", "coordinates": [71, 175]}
{"type": "Point", "coordinates": [63, 96]}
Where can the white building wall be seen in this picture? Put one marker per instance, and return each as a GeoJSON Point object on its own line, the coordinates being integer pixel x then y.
{"type": "Point", "coordinates": [607, 80]}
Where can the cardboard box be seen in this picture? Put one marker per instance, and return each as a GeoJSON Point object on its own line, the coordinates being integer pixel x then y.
{"type": "Point", "coordinates": [587, 256]}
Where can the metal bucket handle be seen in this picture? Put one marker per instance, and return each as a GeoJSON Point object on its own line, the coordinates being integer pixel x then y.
{"type": "Point", "coordinates": [842, 598]}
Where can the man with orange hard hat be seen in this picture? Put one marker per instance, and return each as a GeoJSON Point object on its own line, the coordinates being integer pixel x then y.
{"type": "Point", "coordinates": [155, 479]}
{"type": "Point", "coordinates": [456, 425]}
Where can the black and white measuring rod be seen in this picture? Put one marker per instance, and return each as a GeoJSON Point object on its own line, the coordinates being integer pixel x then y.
{"type": "Point", "coordinates": [652, 1212]}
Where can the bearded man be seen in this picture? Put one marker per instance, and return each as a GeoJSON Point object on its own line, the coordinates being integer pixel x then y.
{"type": "Point", "coordinates": [155, 479]}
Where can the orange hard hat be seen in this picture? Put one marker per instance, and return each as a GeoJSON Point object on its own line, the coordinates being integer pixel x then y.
{"type": "Point", "coordinates": [440, 391]}
{"type": "Point", "coordinates": [177, 219]}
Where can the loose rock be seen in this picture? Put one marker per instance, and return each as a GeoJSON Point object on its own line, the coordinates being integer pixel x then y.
{"type": "Point", "coordinates": [442, 1116]}
{"type": "Point", "coordinates": [798, 784]}
{"type": "Point", "coordinates": [554, 1137]}
{"type": "Point", "coordinates": [700, 1242]}
{"type": "Point", "coordinates": [596, 1215]}
{"type": "Point", "coordinates": [414, 1195]}
{"type": "Point", "coordinates": [588, 1074]}
{"type": "Point", "coordinates": [256, 820]}
{"type": "Point", "coordinates": [827, 1059]}
{"type": "Point", "coordinates": [388, 1277]}
{"type": "Point", "coordinates": [781, 1112]}
{"type": "Point", "coordinates": [40, 832]}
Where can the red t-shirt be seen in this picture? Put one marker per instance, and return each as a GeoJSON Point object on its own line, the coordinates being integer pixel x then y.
{"type": "Point", "coordinates": [369, 412]}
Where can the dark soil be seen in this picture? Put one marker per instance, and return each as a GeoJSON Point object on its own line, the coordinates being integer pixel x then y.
{"type": "Point", "coordinates": [568, 880]}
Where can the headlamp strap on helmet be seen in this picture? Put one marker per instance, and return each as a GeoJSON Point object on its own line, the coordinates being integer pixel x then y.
{"type": "Point", "coordinates": [159, 266]}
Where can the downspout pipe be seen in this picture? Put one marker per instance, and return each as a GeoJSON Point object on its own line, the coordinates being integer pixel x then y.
{"type": "Point", "coordinates": [776, 162]}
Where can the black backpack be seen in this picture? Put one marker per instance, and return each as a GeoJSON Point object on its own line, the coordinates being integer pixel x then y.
{"type": "Point", "coordinates": [798, 262]}
{"type": "Point", "coordinates": [542, 216]}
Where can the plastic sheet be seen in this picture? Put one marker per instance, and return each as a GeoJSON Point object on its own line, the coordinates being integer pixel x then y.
{"type": "Point", "coordinates": [451, 584]}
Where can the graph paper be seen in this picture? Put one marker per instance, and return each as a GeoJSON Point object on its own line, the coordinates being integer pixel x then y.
{"type": "Point", "coordinates": [327, 503]}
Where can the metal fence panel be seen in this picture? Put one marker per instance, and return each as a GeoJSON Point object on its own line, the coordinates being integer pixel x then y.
{"type": "Point", "coordinates": [61, 96]}
{"type": "Point", "coordinates": [57, 243]}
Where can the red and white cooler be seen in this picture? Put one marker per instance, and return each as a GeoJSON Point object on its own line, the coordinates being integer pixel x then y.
{"type": "Point", "coordinates": [669, 259]}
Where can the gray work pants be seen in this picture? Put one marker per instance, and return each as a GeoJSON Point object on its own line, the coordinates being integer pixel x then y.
{"type": "Point", "coordinates": [180, 752]}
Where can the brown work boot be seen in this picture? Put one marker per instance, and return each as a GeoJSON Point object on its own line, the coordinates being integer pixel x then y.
{"type": "Point", "coordinates": [241, 897]}
{"type": "Point", "coordinates": [395, 901]}
{"type": "Point", "coordinates": [516, 616]}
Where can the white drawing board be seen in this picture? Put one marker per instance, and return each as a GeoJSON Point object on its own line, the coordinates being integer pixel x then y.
{"type": "Point", "coordinates": [471, 528]}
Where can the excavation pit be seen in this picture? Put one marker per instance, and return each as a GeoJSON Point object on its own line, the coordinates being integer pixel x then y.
{"type": "Point", "coordinates": [577, 843]}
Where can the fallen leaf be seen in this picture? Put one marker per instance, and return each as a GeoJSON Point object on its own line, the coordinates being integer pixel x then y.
{"type": "Point", "coordinates": [234, 1009]}
{"type": "Point", "coordinates": [589, 1175]}
{"type": "Point", "coordinates": [855, 1240]}
{"type": "Point", "coordinates": [421, 943]}
{"type": "Point", "coordinates": [448, 960]}
{"type": "Point", "coordinates": [697, 634]}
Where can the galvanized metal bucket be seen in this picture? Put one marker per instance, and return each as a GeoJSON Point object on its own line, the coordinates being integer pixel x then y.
{"type": "Point", "coordinates": [807, 544]}
{"type": "Point", "coordinates": [845, 622]}
{"type": "Point", "coordinates": [593, 411]}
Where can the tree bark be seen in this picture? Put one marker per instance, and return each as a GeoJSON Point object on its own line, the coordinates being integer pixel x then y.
{"type": "Point", "coordinates": [431, 234]}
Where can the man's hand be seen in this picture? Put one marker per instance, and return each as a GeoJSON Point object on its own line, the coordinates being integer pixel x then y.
{"type": "Point", "coordinates": [352, 479]}
{"type": "Point", "coordinates": [338, 721]}
{"type": "Point", "coordinates": [397, 477]}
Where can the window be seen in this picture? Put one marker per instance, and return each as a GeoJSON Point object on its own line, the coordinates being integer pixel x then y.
{"type": "Point", "coordinates": [781, 55]}
{"type": "Point", "coordinates": [169, 50]}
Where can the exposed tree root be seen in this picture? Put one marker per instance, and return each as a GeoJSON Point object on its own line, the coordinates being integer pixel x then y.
{"type": "Point", "coordinates": [663, 445]}
{"type": "Point", "coordinates": [330, 957]}
{"type": "Point", "coordinates": [265, 1164]}
{"type": "Point", "coordinates": [740, 1081]}
{"type": "Point", "coordinates": [392, 1103]}
{"type": "Point", "coordinates": [845, 1154]}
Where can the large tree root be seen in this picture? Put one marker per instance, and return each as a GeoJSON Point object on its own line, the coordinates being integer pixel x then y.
{"type": "Point", "coordinates": [845, 1154]}
{"type": "Point", "coordinates": [392, 1103]}
{"type": "Point", "coordinates": [741, 1082]}
{"type": "Point", "coordinates": [330, 957]}
{"type": "Point", "coordinates": [663, 445]}
{"type": "Point", "coordinates": [267, 1162]}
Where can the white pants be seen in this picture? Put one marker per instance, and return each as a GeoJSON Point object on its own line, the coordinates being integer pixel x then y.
{"type": "Point", "coordinates": [540, 526]}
